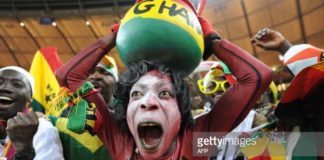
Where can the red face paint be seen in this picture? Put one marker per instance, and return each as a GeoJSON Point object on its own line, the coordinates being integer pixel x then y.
{"type": "Point", "coordinates": [153, 115]}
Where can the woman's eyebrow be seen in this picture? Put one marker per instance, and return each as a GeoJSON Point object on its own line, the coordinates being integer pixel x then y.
{"type": "Point", "coordinates": [140, 85]}
{"type": "Point", "coordinates": [162, 84]}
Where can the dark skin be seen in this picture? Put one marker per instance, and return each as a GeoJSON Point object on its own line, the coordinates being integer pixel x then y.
{"type": "Point", "coordinates": [15, 92]}
{"type": "Point", "coordinates": [198, 100]}
{"type": "Point", "coordinates": [215, 96]}
{"type": "Point", "coordinates": [268, 39]}
{"type": "Point", "coordinates": [21, 130]}
{"type": "Point", "coordinates": [103, 81]}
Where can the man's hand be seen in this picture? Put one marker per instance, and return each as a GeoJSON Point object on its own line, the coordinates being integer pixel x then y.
{"type": "Point", "coordinates": [209, 36]}
{"type": "Point", "coordinates": [271, 40]}
{"type": "Point", "coordinates": [110, 39]}
{"type": "Point", "coordinates": [21, 130]}
{"type": "Point", "coordinates": [115, 27]}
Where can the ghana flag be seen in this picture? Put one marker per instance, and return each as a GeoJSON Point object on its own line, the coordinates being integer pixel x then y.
{"type": "Point", "coordinates": [45, 62]}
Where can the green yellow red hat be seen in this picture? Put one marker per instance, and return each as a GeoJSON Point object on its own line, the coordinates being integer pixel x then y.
{"type": "Point", "coordinates": [109, 64]}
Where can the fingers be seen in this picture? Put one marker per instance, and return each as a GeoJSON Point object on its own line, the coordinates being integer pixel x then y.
{"type": "Point", "coordinates": [10, 124]}
{"type": "Point", "coordinates": [33, 116]}
{"type": "Point", "coordinates": [261, 35]}
{"type": "Point", "coordinates": [22, 120]}
{"type": "Point", "coordinates": [27, 118]}
{"type": "Point", "coordinates": [258, 43]}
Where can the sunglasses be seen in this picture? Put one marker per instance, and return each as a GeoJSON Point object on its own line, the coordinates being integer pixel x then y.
{"type": "Point", "coordinates": [213, 86]}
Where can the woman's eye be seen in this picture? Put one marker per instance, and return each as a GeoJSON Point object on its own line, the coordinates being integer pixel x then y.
{"type": "Point", "coordinates": [136, 94]}
{"type": "Point", "coordinates": [165, 94]}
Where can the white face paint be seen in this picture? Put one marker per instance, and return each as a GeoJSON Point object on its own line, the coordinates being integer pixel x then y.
{"type": "Point", "coordinates": [153, 115]}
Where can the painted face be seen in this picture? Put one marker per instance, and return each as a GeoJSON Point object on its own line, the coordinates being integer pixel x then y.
{"type": "Point", "coordinates": [103, 81]}
{"type": "Point", "coordinates": [153, 116]}
{"type": "Point", "coordinates": [15, 92]}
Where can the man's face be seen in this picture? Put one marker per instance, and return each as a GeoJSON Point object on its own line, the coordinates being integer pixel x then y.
{"type": "Point", "coordinates": [103, 81]}
{"type": "Point", "coordinates": [153, 116]}
{"type": "Point", "coordinates": [15, 92]}
{"type": "Point", "coordinates": [196, 97]}
{"type": "Point", "coordinates": [216, 95]}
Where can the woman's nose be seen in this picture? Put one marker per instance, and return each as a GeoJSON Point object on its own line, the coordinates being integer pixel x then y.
{"type": "Point", "coordinates": [150, 103]}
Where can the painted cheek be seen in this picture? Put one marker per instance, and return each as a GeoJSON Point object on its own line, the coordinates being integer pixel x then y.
{"type": "Point", "coordinates": [173, 114]}
{"type": "Point", "coordinates": [174, 120]}
{"type": "Point", "coordinates": [171, 109]}
{"type": "Point", "coordinates": [170, 104]}
{"type": "Point", "coordinates": [130, 115]}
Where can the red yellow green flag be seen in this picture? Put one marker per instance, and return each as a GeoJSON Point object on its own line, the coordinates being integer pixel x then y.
{"type": "Point", "coordinates": [45, 62]}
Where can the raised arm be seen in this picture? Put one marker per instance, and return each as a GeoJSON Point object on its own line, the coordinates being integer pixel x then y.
{"type": "Point", "coordinates": [268, 39]}
{"type": "Point", "coordinates": [253, 78]}
{"type": "Point", "coordinates": [76, 71]}
{"type": "Point", "coordinates": [295, 57]}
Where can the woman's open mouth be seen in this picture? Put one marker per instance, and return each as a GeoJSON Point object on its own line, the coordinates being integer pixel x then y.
{"type": "Point", "coordinates": [150, 134]}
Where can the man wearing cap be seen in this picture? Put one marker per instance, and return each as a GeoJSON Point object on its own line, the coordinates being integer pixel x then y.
{"type": "Point", "coordinates": [104, 77]}
{"type": "Point", "coordinates": [216, 81]}
{"type": "Point", "coordinates": [77, 121]}
{"type": "Point", "coordinates": [28, 135]}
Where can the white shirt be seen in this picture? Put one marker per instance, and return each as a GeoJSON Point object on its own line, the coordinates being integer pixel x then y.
{"type": "Point", "coordinates": [46, 142]}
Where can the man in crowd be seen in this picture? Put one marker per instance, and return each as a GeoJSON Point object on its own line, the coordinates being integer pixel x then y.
{"type": "Point", "coordinates": [29, 137]}
{"type": "Point", "coordinates": [76, 130]}
{"type": "Point", "coordinates": [301, 108]}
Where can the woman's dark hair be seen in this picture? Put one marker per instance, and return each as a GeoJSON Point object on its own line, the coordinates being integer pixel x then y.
{"type": "Point", "coordinates": [133, 74]}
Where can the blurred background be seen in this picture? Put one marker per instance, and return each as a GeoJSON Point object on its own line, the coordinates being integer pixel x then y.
{"type": "Point", "coordinates": [72, 25]}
